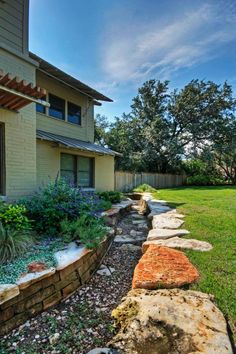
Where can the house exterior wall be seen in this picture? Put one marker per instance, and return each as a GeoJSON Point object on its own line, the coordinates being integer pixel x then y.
{"type": "Point", "coordinates": [84, 132]}
{"type": "Point", "coordinates": [20, 133]}
{"type": "Point", "coordinates": [14, 24]}
{"type": "Point", "coordinates": [48, 165]}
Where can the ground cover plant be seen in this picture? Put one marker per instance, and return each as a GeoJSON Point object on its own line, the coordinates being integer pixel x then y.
{"type": "Point", "coordinates": [210, 216]}
{"type": "Point", "coordinates": [37, 227]}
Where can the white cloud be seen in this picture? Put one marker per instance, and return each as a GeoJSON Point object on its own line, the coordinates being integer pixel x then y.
{"type": "Point", "coordinates": [148, 49]}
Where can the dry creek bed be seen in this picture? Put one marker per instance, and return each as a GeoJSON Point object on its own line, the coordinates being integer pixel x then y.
{"type": "Point", "coordinates": [83, 321]}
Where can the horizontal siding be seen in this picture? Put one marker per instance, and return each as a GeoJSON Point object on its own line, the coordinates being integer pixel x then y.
{"type": "Point", "coordinates": [84, 132]}
{"type": "Point", "coordinates": [48, 165]}
{"type": "Point", "coordinates": [12, 24]}
{"type": "Point", "coordinates": [20, 135]}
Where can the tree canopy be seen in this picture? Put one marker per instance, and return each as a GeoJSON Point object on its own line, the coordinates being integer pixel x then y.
{"type": "Point", "coordinates": [165, 128]}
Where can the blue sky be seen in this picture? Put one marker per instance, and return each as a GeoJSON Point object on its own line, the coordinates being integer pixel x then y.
{"type": "Point", "coordinates": [116, 45]}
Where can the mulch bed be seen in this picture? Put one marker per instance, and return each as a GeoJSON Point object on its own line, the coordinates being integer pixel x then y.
{"type": "Point", "coordinates": [83, 321]}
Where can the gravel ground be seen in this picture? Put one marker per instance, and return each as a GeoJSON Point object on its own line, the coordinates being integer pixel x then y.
{"type": "Point", "coordinates": [83, 321]}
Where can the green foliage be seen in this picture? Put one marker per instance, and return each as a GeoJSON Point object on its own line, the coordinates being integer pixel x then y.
{"type": "Point", "coordinates": [14, 216]}
{"type": "Point", "coordinates": [210, 216]}
{"type": "Point", "coordinates": [105, 204]}
{"type": "Point", "coordinates": [12, 243]}
{"type": "Point", "coordinates": [89, 230]}
{"type": "Point", "coordinates": [202, 173]}
{"type": "Point", "coordinates": [111, 196]}
{"type": "Point", "coordinates": [144, 188]}
{"type": "Point", "coordinates": [59, 201]}
{"type": "Point", "coordinates": [164, 127]}
{"type": "Point", "coordinates": [203, 180]}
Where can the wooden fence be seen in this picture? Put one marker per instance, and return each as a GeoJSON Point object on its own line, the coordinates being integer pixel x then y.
{"type": "Point", "coordinates": [126, 181]}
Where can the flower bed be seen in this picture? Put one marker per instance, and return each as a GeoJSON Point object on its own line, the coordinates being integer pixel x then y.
{"type": "Point", "coordinates": [35, 292]}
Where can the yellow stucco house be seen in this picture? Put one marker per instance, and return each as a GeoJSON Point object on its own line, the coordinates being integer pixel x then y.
{"type": "Point", "coordinates": [46, 117]}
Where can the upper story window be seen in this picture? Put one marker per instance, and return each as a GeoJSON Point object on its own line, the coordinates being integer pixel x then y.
{"type": "Point", "coordinates": [57, 107]}
{"type": "Point", "coordinates": [73, 113]}
{"type": "Point", "coordinates": [40, 108]}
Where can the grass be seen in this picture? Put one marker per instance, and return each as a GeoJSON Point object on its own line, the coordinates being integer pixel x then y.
{"type": "Point", "coordinates": [211, 216]}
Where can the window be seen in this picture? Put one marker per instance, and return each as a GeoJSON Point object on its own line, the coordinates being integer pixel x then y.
{"type": "Point", "coordinates": [57, 107]}
{"type": "Point", "coordinates": [2, 159]}
{"type": "Point", "coordinates": [85, 172]}
{"type": "Point", "coordinates": [40, 108]}
{"type": "Point", "coordinates": [77, 170]}
{"type": "Point", "coordinates": [74, 113]}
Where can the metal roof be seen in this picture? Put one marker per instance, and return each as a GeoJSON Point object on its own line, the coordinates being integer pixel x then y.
{"type": "Point", "coordinates": [75, 143]}
{"type": "Point", "coordinates": [53, 71]}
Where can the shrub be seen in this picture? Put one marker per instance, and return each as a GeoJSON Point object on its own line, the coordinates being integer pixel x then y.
{"type": "Point", "coordinates": [201, 173]}
{"type": "Point", "coordinates": [14, 216]}
{"type": "Point", "coordinates": [201, 180]}
{"type": "Point", "coordinates": [111, 196]}
{"type": "Point", "coordinates": [59, 201]}
{"type": "Point", "coordinates": [89, 230]}
{"type": "Point", "coordinates": [144, 188]}
{"type": "Point", "coordinates": [12, 243]}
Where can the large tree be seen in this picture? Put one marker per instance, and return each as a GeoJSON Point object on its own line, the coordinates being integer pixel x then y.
{"type": "Point", "coordinates": [165, 126]}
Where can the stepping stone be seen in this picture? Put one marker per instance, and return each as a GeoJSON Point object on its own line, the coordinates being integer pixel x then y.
{"type": "Point", "coordinates": [162, 222]}
{"type": "Point", "coordinates": [173, 213]}
{"type": "Point", "coordinates": [181, 243]}
{"type": "Point", "coordinates": [104, 270]}
{"type": "Point", "coordinates": [163, 267]}
{"type": "Point", "coordinates": [170, 321]}
{"type": "Point", "coordinates": [157, 234]}
{"type": "Point", "coordinates": [135, 233]}
{"type": "Point", "coordinates": [129, 239]}
{"type": "Point", "coordinates": [130, 247]}
{"type": "Point", "coordinates": [139, 222]}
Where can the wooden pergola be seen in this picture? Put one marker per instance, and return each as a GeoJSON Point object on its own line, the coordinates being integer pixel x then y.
{"type": "Point", "coordinates": [16, 93]}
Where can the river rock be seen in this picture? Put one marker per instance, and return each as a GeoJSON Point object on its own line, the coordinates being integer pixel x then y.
{"type": "Point", "coordinates": [180, 243]}
{"type": "Point", "coordinates": [170, 321]}
{"type": "Point", "coordinates": [163, 267]}
{"type": "Point", "coordinates": [156, 234]}
{"type": "Point", "coordinates": [165, 222]}
{"type": "Point", "coordinates": [130, 247]}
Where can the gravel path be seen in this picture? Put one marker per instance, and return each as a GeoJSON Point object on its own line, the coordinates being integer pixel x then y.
{"type": "Point", "coordinates": [83, 321]}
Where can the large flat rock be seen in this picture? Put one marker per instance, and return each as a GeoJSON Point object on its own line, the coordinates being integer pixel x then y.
{"type": "Point", "coordinates": [179, 243]}
{"type": "Point", "coordinates": [170, 322]}
{"type": "Point", "coordinates": [163, 267]}
{"type": "Point", "coordinates": [166, 222]}
{"type": "Point", "coordinates": [8, 291]}
{"type": "Point", "coordinates": [157, 234]}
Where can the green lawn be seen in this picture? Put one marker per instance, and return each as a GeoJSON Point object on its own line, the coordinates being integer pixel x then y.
{"type": "Point", "coordinates": [211, 216]}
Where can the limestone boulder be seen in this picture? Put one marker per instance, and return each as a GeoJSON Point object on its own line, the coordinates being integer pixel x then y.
{"type": "Point", "coordinates": [170, 321]}
{"type": "Point", "coordinates": [163, 267]}
{"type": "Point", "coordinates": [165, 222]}
{"type": "Point", "coordinates": [157, 234]}
{"type": "Point", "coordinates": [8, 291]}
{"type": "Point", "coordinates": [179, 243]}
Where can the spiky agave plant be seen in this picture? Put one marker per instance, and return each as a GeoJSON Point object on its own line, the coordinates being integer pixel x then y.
{"type": "Point", "coordinates": [12, 243]}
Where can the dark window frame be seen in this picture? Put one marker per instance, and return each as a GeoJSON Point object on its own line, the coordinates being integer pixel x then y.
{"type": "Point", "coordinates": [50, 109]}
{"type": "Point", "coordinates": [68, 115]}
{"type": "Point", "coordinates": [76, 169]}
{"type": "Point", "coordinates": [2, 160]}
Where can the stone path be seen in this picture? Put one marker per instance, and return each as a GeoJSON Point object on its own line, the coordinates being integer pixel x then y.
{"type": "Point", "coordinates": [171, 320]}
{"type": "Point", "coordinates": [133, 228]}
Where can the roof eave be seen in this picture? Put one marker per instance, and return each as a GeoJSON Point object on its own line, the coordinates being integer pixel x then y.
{"type": "Point", "coordinates": [61, 76]}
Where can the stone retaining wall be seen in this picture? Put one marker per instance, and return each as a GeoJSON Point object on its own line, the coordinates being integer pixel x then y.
{"type": "Point", "coordinates": [36, 292]}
